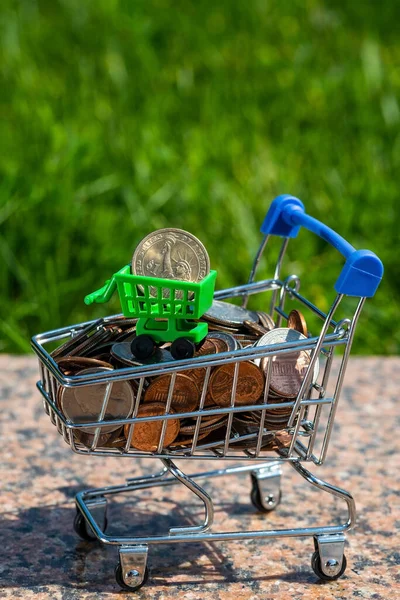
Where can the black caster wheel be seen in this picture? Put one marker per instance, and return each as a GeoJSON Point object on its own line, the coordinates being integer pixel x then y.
{"type": "Point", "coordinates": [82, 528]}
{"type": "Point", "coordinates": [143, 346]}
{"type": "Point", "coordinates": [256, 500]}
{"type": "Point", "coordinates": [182, 348]}
{"type": "Point", "coordinates": [125, 586]}
{"type": "Point", "coordinates": [317, 568]}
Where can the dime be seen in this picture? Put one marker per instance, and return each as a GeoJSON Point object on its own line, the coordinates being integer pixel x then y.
{"type": "Point", "coordinates": [171, 254]}
{"type": "Point", "coordinates": [297, 321]}
{"type": "Point", "coordinates": [229, 314]}
{"type": "Point", "coordinates": [146, 435]}
{"type": "Point", "coordinates": [289, 368]}
{"type": "Point", "coordinates": [83, 404]}
{"type": "Point", "coordinates": [185, 396]}
{"type": "Point", "coordinates": [250, 384]}
{"type": "Point", "coordinates": [224, 342]}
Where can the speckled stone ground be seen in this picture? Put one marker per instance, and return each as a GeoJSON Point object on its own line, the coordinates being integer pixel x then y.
{"type": "Point", "coordinates": [41, 557]}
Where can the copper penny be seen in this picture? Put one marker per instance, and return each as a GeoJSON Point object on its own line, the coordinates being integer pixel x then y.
{"type": "Point", "coordinates": [297, 321]}
{"type": "Point", "coordinates": [185, 396]}
{"type": "Point", "coordinates": [288, 369]}
{"type": "Point", "coordinates": [146, 435]}
{"type": "Point", "coordinates": [250, 384]}
{"type": "Point", "coordinates": [198, 375]}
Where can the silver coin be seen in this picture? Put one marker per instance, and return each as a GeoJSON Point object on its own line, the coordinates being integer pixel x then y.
{"type": "Point", "coordinates": [288, 369]}
{"type": "Point", "coordinates": [229, 314]}
{"type": "Point", "coordinates": [83, 404]}
{"type": "Point", "coordinates": [171, 254]}
{"type": "Point", "coordinates": [122, 352]}
{"type": "Point", "coordinates": [225, 342]}
{"type": "Point", "coordinates": [266, 320]}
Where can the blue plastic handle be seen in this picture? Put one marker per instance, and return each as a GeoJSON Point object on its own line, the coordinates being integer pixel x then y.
{"type": "Point", "coordinates": [363, 270]}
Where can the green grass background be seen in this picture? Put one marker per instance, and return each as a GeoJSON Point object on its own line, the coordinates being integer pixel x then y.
{"type": "Point", "coordinates": [119, 117]}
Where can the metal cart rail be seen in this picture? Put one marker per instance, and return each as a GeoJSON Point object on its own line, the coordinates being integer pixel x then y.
{"type": "Point", "coordinates": [308, 429]}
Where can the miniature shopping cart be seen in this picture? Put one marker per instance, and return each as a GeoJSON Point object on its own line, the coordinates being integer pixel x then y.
{"type": "Point", "coordinates": [166, 310]}
{"type": "Point", "coordinates": [308, 428]}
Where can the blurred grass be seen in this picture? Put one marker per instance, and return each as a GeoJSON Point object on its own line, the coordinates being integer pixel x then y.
{"type": "Point", "coordinates": [119, 117]}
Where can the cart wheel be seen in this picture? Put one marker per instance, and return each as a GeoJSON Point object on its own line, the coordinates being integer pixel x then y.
{"type": "Point", "coordinates": [143, 346]}
{"type": "Point", "coordinates": [130, 588]}
{"type": "Point", "coordinates": [255, 498]}
{"type": "Point", "coordinates": [182, 348]}
{"type": "Point", "coordinates": [82, 529]}
{"type": "Point", "coordinates": [317, 568]}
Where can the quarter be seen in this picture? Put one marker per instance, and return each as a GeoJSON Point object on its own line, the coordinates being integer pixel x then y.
{"type": "Point", "coordinates": [84, 404]}
{"type": "Point", "coordinates": [171, 254]}
{"type": "Point", "coordinates": [228, 314]}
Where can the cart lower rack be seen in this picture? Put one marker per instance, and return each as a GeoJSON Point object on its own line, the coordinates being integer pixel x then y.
{"type": "Point", "coordinates": [264, 442]}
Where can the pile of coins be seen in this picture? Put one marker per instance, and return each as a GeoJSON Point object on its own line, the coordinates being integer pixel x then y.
{"type": "Point", "coordinates": [105, 346]}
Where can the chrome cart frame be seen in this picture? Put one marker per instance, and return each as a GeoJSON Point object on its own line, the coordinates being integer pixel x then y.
{"type": "Point", "coordinates": [309, 426]}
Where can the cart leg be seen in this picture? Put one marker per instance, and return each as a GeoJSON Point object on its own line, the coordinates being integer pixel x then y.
{"type": "Point", "coordinates": [131, 572]}
{"type": "Point", "coordinates": [266, 487]}
{"type": "Point", "coordinates": [328, 560]}
{"type": "Point", "coordinates": [200, 493]}
{"type": "Point", "coordinates": [98, 509]}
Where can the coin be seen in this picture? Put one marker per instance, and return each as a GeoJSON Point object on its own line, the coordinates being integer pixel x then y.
{"type": "Point", "coordinates": [229, 314]}
{"type": "Point", "coordinates": [185, 396]}
{"type": "Point", "coordinates": [188, 441]}
{"type": "Point", "coordinates": [225, 342]}
{"type": "Point", "coordinates": [198, 374]}
{"type": "Point", "coordinates": [266, 320]}
{"type": "Point", "coordinates": [189, 425]}
{"type": "Point", "coordinates": [146, 435]}
{"type": "Point", "coordinates": [250, 384]}
{"type": "Point", "coordinates": [84, 404]}
{"type": "Point", "coordinates": [254, 327]}
{"type": "Point", "coordinates": [73, 364]}
{"type": "Point", "coordinates": [297, 321]}
{"type": "Point", "coordinates": [74, 341]}
{"type": "Point", "coordinates": [104, 439]}
{"type": "Point", "coordinates": [171, 254]}
{"type": "Point", "coordinates": [289, 368]}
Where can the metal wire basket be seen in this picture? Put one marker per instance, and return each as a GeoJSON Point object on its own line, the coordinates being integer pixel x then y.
{"type": "Point", "coordinates": [304, 437]}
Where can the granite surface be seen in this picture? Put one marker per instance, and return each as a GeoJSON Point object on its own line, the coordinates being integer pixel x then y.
{"type": "Point", "coordinates": [41, 556]}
